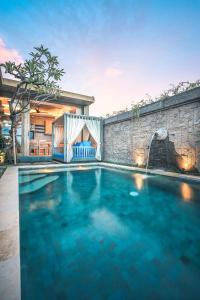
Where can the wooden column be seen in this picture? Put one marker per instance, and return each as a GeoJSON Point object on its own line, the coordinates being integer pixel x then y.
{"type": "Point", "coordinates": [25, 133]}
{"type": "Point", "coordinates": [86, 110]}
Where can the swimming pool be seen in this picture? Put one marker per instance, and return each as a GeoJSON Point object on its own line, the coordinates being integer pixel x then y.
{"type": "Point", "coordinates": [100, 233]}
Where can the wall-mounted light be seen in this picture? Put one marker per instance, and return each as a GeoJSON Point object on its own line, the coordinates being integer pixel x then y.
{"type": "Point", "coordinates": [139, 161]}
{"type": "Point", "coordinates": [2, 157]}
{"type": "Point", "coordinates": [186, 159]}
{"type": "Point", "coordinates": [186, 163]}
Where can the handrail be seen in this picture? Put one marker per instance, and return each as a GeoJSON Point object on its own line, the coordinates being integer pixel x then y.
{"type": "Point", "coordinates": [84, 152]}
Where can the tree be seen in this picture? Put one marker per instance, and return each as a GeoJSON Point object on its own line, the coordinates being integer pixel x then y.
{"type": "Point", "coordinates": [37, 80]}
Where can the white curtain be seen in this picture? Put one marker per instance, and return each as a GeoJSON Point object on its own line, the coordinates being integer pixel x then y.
{"type": "Point", "coordinates": [94, 126]}
{"type": "Point", "coordinates": [74, 127]}
{"type": "Point", "coordinates": [58, 135]}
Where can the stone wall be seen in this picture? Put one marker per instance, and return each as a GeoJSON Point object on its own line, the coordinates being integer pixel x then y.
{"type": "Point", "coordinates": [127, 139]}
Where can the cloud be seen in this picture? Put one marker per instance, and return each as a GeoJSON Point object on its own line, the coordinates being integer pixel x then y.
{"type": "Point", "coordinates": [8, 54]}
{"type": "Point", "coordinates": [113, 72]}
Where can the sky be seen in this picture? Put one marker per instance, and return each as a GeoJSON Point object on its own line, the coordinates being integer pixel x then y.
{"type": "Point", "coordinates": [114, 50]}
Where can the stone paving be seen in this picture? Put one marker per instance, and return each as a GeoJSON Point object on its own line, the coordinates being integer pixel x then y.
{"type": "Point", "coordinates": [9, 236]}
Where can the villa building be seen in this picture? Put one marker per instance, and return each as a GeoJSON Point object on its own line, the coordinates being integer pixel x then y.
{"type": "Point", "coordinates": [34, 133]}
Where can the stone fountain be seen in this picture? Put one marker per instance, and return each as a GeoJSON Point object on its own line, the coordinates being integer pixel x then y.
{"type": "Point", "coordinates": [161, 136]}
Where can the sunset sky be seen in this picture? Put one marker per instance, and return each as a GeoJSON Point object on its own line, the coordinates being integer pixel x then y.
{"type": "Point", "coordinates": [114, 50]}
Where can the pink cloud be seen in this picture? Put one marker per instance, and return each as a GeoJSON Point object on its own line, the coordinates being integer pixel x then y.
{"type": "Point", "coordinates": [8, 54]}
{"type": "Point", "coordinates": [113, 72]}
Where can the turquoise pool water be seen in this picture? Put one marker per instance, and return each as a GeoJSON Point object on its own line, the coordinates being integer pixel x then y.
{"type": "Point", "coordinates": [106, 234]}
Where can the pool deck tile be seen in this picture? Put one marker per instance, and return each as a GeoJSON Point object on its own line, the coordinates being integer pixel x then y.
{"type": "Point", "coordinates": [9, 236]}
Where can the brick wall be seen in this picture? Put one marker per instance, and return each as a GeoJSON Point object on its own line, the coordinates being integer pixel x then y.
{"type": "Point", "coordinates": [127, 139]}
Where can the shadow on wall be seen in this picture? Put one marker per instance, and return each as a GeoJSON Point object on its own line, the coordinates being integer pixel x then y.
{"type": "Point", "coordinates": [164, 155]}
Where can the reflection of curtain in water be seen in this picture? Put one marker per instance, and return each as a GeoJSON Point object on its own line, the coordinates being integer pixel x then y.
{"type": "Point", "coordinates": [96, 192]}
{"type": "Point", "coordinates": [70, 191]}
{"type": "Point", "coordinates": [69, 179]}
{"type": "Point", "coordinates": [75, 195]}
{"type": "Point", "coordinates": [94, 126]}
{"type": "Point", "coordinates": [58, 135]}
{"type": "Point", "coordinates": [98, 184]}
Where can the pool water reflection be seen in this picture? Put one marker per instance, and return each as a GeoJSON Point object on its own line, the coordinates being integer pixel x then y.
{"type": "Point", "coordinates": [83, 236]}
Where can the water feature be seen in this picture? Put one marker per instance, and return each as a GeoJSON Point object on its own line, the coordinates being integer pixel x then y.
{"type": "Point", "coordinates": [160, 134]}
{"type": "Point", "coordinates": [149, 151]}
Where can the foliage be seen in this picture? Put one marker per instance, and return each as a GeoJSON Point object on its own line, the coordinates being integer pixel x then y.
{"type": "Point", "coordinates": [117, 112]}
{"type": "Point", "coordinates": [174, 90]}
{"type": "Point", "coordinates": [2, 142]}
{"type": "Point", "coordinates": [3, 148]}
{"type": "Point", "coordinates": [37, 81]}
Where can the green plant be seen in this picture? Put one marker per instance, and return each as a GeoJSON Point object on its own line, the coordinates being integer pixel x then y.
{"type": "Point", "coordinates": [2, 142]}
{"type": "Point", "coordinates": [174, 90]}
{"type": "Point", "coordinates": [37, 81]}
{"type": "Point", "coordinates": [3, 146]}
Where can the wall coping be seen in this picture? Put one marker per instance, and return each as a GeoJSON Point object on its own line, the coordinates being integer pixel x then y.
{"type": "Point", "coordinates": [171, 102]}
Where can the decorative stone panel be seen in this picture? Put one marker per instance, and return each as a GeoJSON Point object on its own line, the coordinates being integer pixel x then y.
{"type": "Point", "coordinates": [127, 140]}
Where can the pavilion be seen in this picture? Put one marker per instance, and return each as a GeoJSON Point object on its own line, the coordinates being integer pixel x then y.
{"type": "Point", "coordinates": [34, 133]}
{"type": "Point", "coordinates": [77, 137]}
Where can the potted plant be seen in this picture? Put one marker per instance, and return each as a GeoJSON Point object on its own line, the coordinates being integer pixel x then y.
{"type": "Point", "coordinates": [2, 148]}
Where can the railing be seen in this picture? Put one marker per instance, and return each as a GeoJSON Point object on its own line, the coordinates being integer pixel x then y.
{"type": "Point", "coordinates": [84, 152]}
